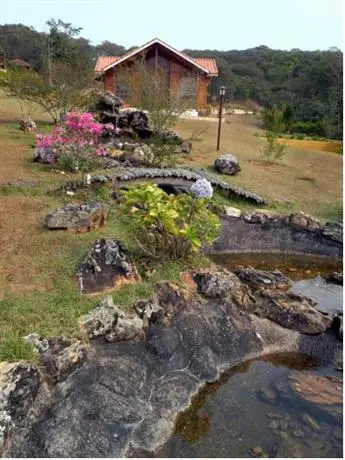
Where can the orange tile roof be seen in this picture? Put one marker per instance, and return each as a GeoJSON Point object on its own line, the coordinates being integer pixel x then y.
{"type": "Point", "coordinates": [209, 64]}
{"type": "Point", "coordinates": [104, 61]}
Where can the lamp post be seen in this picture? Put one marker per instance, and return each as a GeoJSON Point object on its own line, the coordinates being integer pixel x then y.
{"type": "Point", "coordinates": [221, 97]}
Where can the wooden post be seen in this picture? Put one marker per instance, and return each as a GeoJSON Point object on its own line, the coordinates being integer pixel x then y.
{"type": "Point", "coordinates": [220, 120]}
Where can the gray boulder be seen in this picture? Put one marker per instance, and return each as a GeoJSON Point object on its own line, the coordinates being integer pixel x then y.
{"type": "Point", "coordinates": [261, 216]}
{"type": "Point", "coordinates": [333, 231]}
{"type": "Point", "coordinates": [59, 355]}
{"type": "Point", "coordinates": [186, 146]}
{"type": "Point", "coordinates": [335, 278]}
{"type": "Point", "coordinates": [27, 124]}
{"type": "Point", "coordinates": [224, 284]}
{"type": "Point", "coordinates": [19, 386]}
{"type": "Point", "coordinates": [292, 311]}
{"type": "Point", "coordinates": [78, 218]}
{"type": "Point", "coordinates": [143, 153]}
{"type": "Point", "coordinates": [108, 265]}
{"type": "Point", "coordinates": [337, 326]}
{"type": "Point", "coordinates": [45, 155]}
{"type": "Point", "coordinates": [227, 164]}
{"type": "Point", "coordinates": [110, 321]}
{"type": "Point", "coordinates": [259, 279]}
{"type": "Point", "coordinates": [301, 221]}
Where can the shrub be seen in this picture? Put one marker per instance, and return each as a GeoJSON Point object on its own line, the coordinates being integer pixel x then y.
{"type": "Point", "coordinates": [273, 150]}
{"type": "Point", "coordinates": [273, 119]}
{"type": "Point", "coordinates": [309, 128]}
{"type": "Point", "coordinates": [76, 143]}
{"type": "Point", "coordinates": [169, 226]}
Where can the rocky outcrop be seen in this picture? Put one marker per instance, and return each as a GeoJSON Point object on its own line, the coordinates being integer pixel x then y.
{"type": "Point", "coordinates": [333, 231]}
{"type": "Point", "coordinates": [292, 311]}
{"type": "Point", "coordinates": [265, 298]}
{"type": "Point", "coordinates": [260, 279]}
{"type": "Point", "coordinates": [268, 231]}
{"type": "Point", "coordinates": [143, 153]}
{"type": "Point", "coordinates": [78, 218]}
{"type": "Point", "coordinates": [227, 164]}
{"type": "Point", "coordinates": [224, 284]}
{"type": "Point", "coordinates": [19, 386]}
{"type": "Point", "coordinates": [107, 266]}
{"type": "Point", "coordinates": [335, 278]}
{"type": "Point", "coordinates": [45, 155]}
{"type": "Point", "coordinates": [125, 399]}
{"type": "Point", "coordinates": [217, 284]}
{"type": "Point", "coordinates": [59, 355]}
{"type": "Point", "coordinates": [110, 321]}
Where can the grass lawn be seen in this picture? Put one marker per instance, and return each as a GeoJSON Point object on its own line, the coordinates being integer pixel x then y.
{"type": "Point", "coordinates": [37, 286]}
{"type": "Point", "coordinates": [310, 179]}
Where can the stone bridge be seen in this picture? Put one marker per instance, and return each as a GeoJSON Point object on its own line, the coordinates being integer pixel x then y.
{"type": "Point", "coordinates": [172, 180]}
{"type": "Point", "coordinates": [178, 179]}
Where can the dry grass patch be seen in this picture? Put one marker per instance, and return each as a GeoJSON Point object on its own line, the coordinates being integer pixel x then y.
{"type": "Point", "coordinates": [319, 146]}
{"type": "Point", "coordinates": [10, 110]}
{"type": "Point", "coordinates": [272, 181]}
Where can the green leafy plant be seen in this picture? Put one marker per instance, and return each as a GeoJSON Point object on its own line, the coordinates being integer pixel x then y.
{"type": "Point", "coordinates": [169, 226]}
{"type": "Point", "coordinates": [74, 160]}
{"type": "Point", "coordinates": [273, 150]}
{"type": "Point", "coordinates": [273, 119]}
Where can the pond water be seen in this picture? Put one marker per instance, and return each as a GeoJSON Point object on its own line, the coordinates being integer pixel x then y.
{"type": "Point", "coordinates": [305, 270]}
{"type": "Point", "coordinates": [270, 407]}
{"type": "Point", "coordinates": [295, 266]}
{"type": "Point", "coordinates": [282, 405]}
{"type": "Point", "coordinates": [328, 296]}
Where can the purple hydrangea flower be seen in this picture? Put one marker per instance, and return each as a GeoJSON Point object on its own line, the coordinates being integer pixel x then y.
{"type": "Point", "coordinates": [202, 189]}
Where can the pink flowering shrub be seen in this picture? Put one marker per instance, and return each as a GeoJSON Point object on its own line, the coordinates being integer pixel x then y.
{"type": "Point", "coordinates": [76, 144]}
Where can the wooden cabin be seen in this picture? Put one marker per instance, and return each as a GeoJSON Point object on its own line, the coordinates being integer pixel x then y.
{"type": "Point", "coordinates": [190, 76]}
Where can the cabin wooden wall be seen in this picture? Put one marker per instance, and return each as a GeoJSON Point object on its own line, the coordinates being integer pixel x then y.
{"type": "Point", "coordinates": [175, 72]}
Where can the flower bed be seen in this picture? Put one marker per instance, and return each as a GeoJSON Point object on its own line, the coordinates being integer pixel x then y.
{"type": "Point", "coordinates": [75, 145]}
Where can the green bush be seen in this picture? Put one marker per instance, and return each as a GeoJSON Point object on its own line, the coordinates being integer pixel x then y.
{"type": "Point", "coordinates": [273, 150]}
{"type": "Point", "coordinates": [73, 160]}
{"type": "Point", "coordinates": [169, 226]}
{"type": "Point", "coordinates": [308, 128]}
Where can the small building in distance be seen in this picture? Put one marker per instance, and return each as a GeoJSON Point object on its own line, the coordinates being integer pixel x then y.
{"type": "Point", "coordinates": [189, 76]}
{"type": "Point", "coordinates": [18, 64]}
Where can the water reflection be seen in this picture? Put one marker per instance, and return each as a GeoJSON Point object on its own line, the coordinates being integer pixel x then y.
{"type": "Point", "coordinates": [256, 409]}
{"type": "Point", "coordinates": [296, 266]}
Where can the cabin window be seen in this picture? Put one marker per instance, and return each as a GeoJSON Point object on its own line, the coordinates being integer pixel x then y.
{"type": "Point", "coordinates": [123, 90]}
{"type": "Point", "coordinates": [188, 87]}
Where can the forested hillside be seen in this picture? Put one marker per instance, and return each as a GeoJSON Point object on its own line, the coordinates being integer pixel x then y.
{"type": "Point", "coordinates": [306, 84]}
